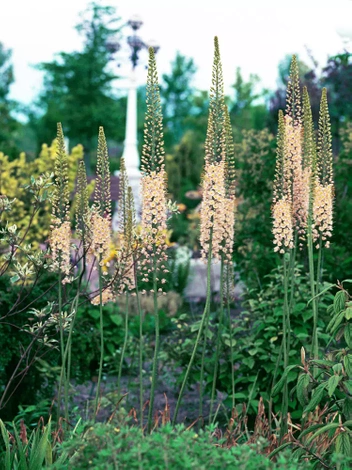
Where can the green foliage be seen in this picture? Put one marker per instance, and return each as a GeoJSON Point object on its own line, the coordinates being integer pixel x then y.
{"type": "Point", "coordinates": [24, 452]}
{"type": "Point", "coordinates": [255, 160]}
{"type": "Point", "coordinates": [248, 109]}
{"type": "Point", "coordinates": [324, 387]}
{"type": "Point", "coordinates": [28, 388]}
{"type": "Point", "coordinates": [177, 94]}
{"type": "Point", "coordinates": [109, 447]}
{"type": "Point", "coordinates": [8, 125]}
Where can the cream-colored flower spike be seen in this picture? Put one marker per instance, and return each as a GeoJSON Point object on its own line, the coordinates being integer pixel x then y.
{"type": "Point", "coordinates": [282, 226]}
{"type": "Point", "coordinates": [212, 215]}
{"type": "Point", "coordinates": [60, 229]}
{"type": "Point", "coordinates": [324, 186]}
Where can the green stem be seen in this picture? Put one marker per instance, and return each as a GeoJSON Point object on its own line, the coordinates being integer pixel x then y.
{"type": "Point", "coordinates": [140, 312]}
{"type": "Point", "coordinates": [156, 350]}
{"type": "Point", "coordinates": [292, 271]}
{"type": "Point", "coordinates": [201, 379]}
{"type": "Point", "coordinates": [286, 350]}
{"type": "Point", "coordinates": [218, 339]}
{"type": "Point", "coordinates": [314, 347]}
{"type": "Point", "coordinates": [62, 348]}
{"type": "Point", "coordinates": [123, 346]}
{"type": "Point", "coordinates": [319, 273]}
{"type": "Point", "coordinates": [101, 338]}
{"type": "Point", "coordinates": [278, 361]}
{"type": "Point", "coordinates": [230, 332]}
{"type": "Point", "coordinates": [67, 355]}
{"type": "Point", "coordinates": [199, 335]}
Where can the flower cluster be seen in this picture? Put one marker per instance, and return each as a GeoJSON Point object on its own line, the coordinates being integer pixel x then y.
{"type": "Point", "coordinates": [212, 215]}
{"type": "Point", "coordinates": [282, 226]}
{"type": "Point", "coordinates": [324, 187]}
{"type": "Point", "coordinates": [154, 204]}
{"type": "Point", "coordinates": [60, 242]}
{"type": "Point", "coordinates": [101, 237]}
{"type": "Point", "coordinates": [126, 235]}
{"type": "Point", "coordinates": [106, 296]}
{"type": "Point", "coordinates": [154, 220]}
{"type": "Point", "coordinates": [60, 228]}
{"type": "Point", "coordinates": [322, 213]}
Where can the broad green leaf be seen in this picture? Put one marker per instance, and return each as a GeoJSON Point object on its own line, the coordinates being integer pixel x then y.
{"type": "Point", "coordinates": [280, 385]}
{"type": "Point", "coordinates": [117, 319]}
{"type": "Point", "coordinates": [347, 407]}
{"type": "Point", "coordinates": [336, 321]}
{"type": "Point", "coordinates": [333, 383]}
{"type": "Point", "coordinates": [340, 301]}
{"type": "Point", "coordinates": [302, 388]}
{"type": "Point", "coordinates": [348, 335]}
{"type": "Point", "coordinates": [316, 399]}
{"type": "Point", "coordinates": [348, 313]}
{"type": "Point", "coordinates": [343, 444]}
{"type": "Point", "coordinates": [347, 363]}
{"type": "Point", "coordinates": [94, 313]}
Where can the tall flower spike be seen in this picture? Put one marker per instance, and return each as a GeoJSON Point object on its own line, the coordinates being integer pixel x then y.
{"type": "Point", "coordinates": [126, 278]}
{"type": "Point", "coordinates": [101, 214]}
{"type": "Point", "coordinates": [230, 192]}
{"type": "Point", "coordinates": [215, 143]}
{"type": "Point", "coordinates": [308, 147]}
{"type": "Point", "coordinates": [102, 196]}
{"type": "Point", "coordinates": [153, 147]}
{"type": "Point", "coordinates": [122, 204]}
{"type": "Point", "coordinates": [154, 204]}
{"type": "Point", "coordinates": [60, 236]}
{"type": "Point", "coordinates": [324, 148]}
{"type": "Point", "coordinates": [282, 197]}
{"type": "Point", "coordinates": [214, 210]}
{"type": "Point", "coordinates": [82, 207]}
{"type": "Point", "coordinates": [230, 158]}
{"type": "Point", "coordinates": [61, 192]}
{"type": "Point", "coordinates": [324, 186]}
{"type": "Point", "coordinates": [293, 94]}
{"type": "Point", "coordinates": [280, 185]}
{"type": "Point", "coordinates": [309, 156]}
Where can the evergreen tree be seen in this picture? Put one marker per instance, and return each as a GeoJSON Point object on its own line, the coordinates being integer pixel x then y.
{"type": "Point", "coordinates": [177, 93]}
{"type": "Point", "coordinates": [78, 86]}
{"type": "Point", "coordinates": [8, 125]}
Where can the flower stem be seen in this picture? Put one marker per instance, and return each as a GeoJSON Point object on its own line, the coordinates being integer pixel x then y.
{"type": "Point", "coordinates": [67, 355]}
{"type": "Point", "coordinates": [230, 332]}
{"type": "Point", "coordinates": [218, 339]}
{"type": "Point", "coordinates": [123, 346]}
{"type": "Point", "coordinates": [156, 349]}
{"type": "Point", "coordinates": [101, 338]}
{"type": "Point", "coordinates": [314, 347]}
{"type": "Point", "coordinates": [140, 312]}
{"type": "Point", "coordinates": [199, 335]}
{"type": "Point", "coordinates": [286, 350]}
{"type": "Point", "coordinates": [62, 348]}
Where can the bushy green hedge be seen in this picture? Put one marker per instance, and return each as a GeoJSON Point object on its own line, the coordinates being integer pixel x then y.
{"type": "Point", "coordinates": [108, 447]}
